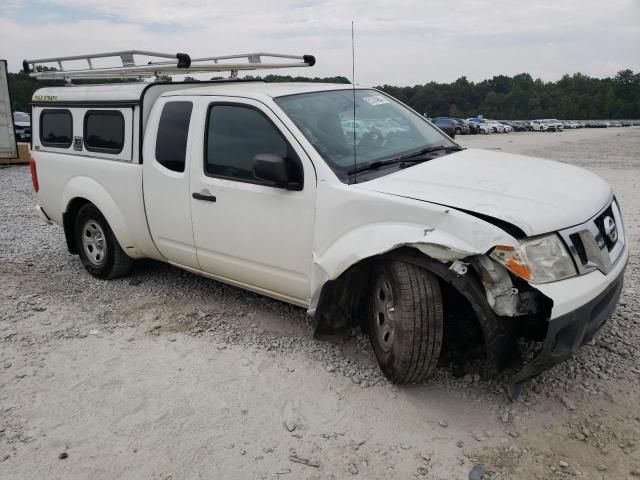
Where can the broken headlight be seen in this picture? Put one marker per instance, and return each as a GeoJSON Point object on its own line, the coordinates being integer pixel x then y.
{"type": "Point", "coordinates": [537, 260]}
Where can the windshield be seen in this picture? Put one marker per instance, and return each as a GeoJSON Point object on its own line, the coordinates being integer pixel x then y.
{"type": "Point", "coordinates": [383, 128]}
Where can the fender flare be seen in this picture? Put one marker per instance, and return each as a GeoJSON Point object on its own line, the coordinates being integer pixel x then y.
{"type": "Point", "coordinates": [88, 189]}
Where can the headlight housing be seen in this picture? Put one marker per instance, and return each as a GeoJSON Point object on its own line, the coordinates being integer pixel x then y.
{"type": "Point", "coordinates": [537, 260]}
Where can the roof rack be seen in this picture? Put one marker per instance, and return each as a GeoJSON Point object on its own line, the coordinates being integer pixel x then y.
{"type": "Point", "coordinates": [180, 63]}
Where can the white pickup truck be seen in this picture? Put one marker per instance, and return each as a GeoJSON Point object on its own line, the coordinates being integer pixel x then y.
{"type": "Point", "coordinates": [267, 187]}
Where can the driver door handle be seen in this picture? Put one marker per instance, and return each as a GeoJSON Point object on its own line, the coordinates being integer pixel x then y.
{"type": "Point", "coordinates": [203, 196]}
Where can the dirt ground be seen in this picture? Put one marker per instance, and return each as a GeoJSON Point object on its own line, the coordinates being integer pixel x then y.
{"type": "Point", "coordinates": [166, 375]}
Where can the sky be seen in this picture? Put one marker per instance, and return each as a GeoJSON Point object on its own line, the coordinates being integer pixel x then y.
{"type": "Point", "coordinates": [401, 42]}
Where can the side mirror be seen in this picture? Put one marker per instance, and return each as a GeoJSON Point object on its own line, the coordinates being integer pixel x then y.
{"type": "Point", "coordinates": [271, 168]}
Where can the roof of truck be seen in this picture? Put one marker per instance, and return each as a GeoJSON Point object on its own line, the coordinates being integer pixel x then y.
{"type": "Point", "coordinates": [132, 92]}
{"type": "Point", "coordinates": [261, 88]}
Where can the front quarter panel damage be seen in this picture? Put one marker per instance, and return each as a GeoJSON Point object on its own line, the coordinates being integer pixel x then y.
{"type": "Point", "coordinates": [449, 243]}
{"type": "Point", "coordinates": [371, 223]}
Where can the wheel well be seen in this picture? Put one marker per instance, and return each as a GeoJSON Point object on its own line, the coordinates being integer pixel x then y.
{"type": "Point", "coordinates": [68, 221]}
{"type": "Point", "coordinates": [467, 312]}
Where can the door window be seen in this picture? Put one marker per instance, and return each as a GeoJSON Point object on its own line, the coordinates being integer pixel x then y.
{"type": "Point", "coordinates": [171, 143]}
{"type": "Point", "coordinates": [235, 135]}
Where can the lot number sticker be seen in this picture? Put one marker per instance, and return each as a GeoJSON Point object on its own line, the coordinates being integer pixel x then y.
{"type": "Point", "coordinates": [375, 100]}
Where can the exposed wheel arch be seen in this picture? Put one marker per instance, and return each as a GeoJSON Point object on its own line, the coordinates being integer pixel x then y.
{"type": "Point", "coordinates": [68, 222]}
{"type": "Point", "coordinates": [341, 302]}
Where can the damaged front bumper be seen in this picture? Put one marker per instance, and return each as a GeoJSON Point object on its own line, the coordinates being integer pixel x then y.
{"type": "Point", "coordinates": [570, 330]}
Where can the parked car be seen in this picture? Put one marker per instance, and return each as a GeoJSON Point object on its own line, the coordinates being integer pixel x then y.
{"type": "Point", "coordinates": [543, 126]}
{"type": "Point", "coordinates": [257, 185]}
{"type": "Point", "coordinates": [473, 127]}
{"type": "Point", "coordinates": [516, 126]}
{"type": "Point", "coordinates": [483, 125]}
{"type": "Point", "coordinates": [497, 126]}
{"type": "Point", "coordinates": [522, 126]}
{"type": "Point", "coordinates": [462, 128]}
{"type": "Point", "coordinates": [447, 125]}
{"type": "Point", "coordinates": [22, 126]}
{"type": "Point", "coordinates": [558, 124]}
{"type": "Point", "coordinates": [507, 127]}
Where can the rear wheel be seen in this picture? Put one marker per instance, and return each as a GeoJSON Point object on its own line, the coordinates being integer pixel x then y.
{"type": "Point", "coordinates": [405, 321]}
{"type": "Point", "coordinates": [98, 247]}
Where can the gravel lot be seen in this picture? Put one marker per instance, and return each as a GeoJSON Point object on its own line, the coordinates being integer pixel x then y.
{"type": "Point", "coordinates": [167, 375]}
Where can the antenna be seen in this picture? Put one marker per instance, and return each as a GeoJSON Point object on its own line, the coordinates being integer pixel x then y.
{"type": "Point", "coordinates": [353, 89]}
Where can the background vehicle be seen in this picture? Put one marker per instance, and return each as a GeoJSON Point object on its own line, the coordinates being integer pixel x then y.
{"type": "Point", "coordinates": [496, 126]}
{"type": "Point", "coordinates": [22, 124]}
{"type": "Point", "coordinates": [552, 122]}
{"type": "Point", "coordinates": [473, 127]}
{"type": "Point", "coordinates": [521, 126]}
{"type": "Point", "coordinates": [507, 127]}
{"type": "Point", "coordinates": [543, 126]}
{"type": "Point", "coordinates": [447, 125]}
{"type": "Point", "coordinates": [261, 186]}
{"type": "Point", "coordinates": [462, 128]}
{"type": "Point", "coordinates": [482, 125]}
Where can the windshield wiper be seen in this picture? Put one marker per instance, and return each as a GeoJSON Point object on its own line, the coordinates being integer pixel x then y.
{"type": "Point", "coordinates": [413, 157]}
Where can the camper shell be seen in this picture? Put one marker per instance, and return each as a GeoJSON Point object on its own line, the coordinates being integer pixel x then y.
{"type": "Point", "coordinates": [133, 101]}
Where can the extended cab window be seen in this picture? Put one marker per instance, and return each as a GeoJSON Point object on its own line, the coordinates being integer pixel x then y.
{"type": "Point", "coordinates": [56, 128]}
{"type": "Point", "coordinates": [171, 143]}
{"type": "Point", "coordinates": [104, 131]}
{"type": "Point", "coordinates": [235, 135]}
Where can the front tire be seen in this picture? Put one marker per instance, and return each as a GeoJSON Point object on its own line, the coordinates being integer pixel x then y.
{"type": "Point", "coordinates": [405, 321]}
{"type": "Point", "coordinates": [98, 247]}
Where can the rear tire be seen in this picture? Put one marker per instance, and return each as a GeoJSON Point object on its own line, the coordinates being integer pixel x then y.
{"type": "Point", "coordinates": [98, 247]}
{"type": "Point", "coordinates": [405, 321]}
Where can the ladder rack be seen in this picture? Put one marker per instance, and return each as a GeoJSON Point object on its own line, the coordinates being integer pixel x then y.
{"type": "Point", "coordinates": [180, 64]}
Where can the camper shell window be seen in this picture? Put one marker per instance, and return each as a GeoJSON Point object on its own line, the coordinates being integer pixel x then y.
{"type": "Point", "coordinates": [104, 131]}
{"type": "Point", "coordinates": [56, 128]}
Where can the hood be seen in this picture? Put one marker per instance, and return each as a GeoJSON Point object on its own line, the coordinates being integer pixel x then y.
{"type": "Point", "coordinates": [538, 196]}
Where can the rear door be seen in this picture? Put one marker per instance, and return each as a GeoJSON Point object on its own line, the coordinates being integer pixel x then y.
{"type": "Point", "coordinates": [8, 145]}
{"type": "Point", "coordinates": [167, 197]}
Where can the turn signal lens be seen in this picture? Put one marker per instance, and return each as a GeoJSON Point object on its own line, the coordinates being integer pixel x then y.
{"type": "Point", "coordinates": [512, 259]}
{"type": "Point", "coordinates": [537, 260]}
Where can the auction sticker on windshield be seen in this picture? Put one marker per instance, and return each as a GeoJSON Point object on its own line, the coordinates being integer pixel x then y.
{"type": "Point", "coordinates": [375, 100]}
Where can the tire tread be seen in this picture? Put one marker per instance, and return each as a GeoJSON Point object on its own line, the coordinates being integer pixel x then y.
{"type": "Point", "coordinates": [419, 324]}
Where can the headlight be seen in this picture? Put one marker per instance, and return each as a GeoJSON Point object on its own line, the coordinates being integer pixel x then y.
{"type": "Point", "coordinates": [538, 260]}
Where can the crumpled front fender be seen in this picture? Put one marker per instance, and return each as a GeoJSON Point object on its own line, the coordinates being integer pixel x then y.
{"type": "Point", "coordinates": [376, 239]}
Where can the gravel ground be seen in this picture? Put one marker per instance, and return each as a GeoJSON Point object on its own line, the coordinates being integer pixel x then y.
{"type": "Point", "coordinates": [167, 375]}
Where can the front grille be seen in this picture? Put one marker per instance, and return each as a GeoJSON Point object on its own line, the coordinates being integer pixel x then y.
{"type": "Point", "coordinates": [597, 243]}
{"type": "Point", "coordinates": [599, 221]}
{"type": "Point", "coordinates": [579, 246]}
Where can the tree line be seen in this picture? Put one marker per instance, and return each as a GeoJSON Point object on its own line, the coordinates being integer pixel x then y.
{"type": "Point", "coordinates": [575, 97]}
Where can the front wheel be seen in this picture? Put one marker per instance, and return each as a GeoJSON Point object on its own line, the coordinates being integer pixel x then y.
{"type": "Point", "coordinates": [405, 321]}
{"type": "Point", "coordinates": [98, 247]}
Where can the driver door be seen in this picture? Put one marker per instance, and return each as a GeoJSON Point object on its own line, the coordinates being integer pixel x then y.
{"type": "Point", "coordinates": [247, 232]}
